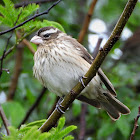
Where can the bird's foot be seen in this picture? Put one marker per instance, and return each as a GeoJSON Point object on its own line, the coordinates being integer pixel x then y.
{"type": "Point", "coordinates": [59, 106]}
{"type": "Point", "coordinates": [81, 80]}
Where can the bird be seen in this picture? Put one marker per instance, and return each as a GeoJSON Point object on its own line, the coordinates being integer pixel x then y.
{"type": "Point", "coordinates": [60, 61]}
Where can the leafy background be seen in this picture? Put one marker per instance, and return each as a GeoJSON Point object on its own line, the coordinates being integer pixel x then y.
{"type": "Point", "coordinates": [123, 72]}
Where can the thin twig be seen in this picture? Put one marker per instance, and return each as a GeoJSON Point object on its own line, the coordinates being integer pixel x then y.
{"type": "Point", "coordinates": [83, 122]}
{"type": "Point", "coordinates": [87, 21]}
{"type": "Point", "coordinates": [31, 109]}
{"type": "Point", "coordinates": [8, 52]}
{"type": "Point", "coordinates": [4, 119]}
{"type": "Point", "coordinates": [135, 125]}
{"type": "Point", "coordinates": [33, 17]}
{"type": "Point", "coordinates": [27, 43]}
{"type": "Point", "coordinates": [69, 98]}
{"type": "Point", "coordinates": [3, 55]}
{"type": "Point", "coordinates": [26, 3]}
{"type": "Point", "coordinates": [96, 50]}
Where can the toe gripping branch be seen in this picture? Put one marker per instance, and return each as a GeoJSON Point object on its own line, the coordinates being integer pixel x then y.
{"type": "Point", "coordinates": [81, 80]}
{"type": "Point", "coordinates": [59, 106]}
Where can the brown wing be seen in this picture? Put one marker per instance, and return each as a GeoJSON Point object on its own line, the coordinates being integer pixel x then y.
{"type": "Point", "coordinates": [85, 55]}
{"type": "Point", "coordinates": [106, 81]}
{"type": "Point", "coordinates": [92, 102]}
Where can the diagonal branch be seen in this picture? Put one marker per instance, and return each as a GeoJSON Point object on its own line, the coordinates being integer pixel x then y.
{"type": "Point", "coordinates": [33, 17]}
{"type": "Point", "coordinates": [69, 98]}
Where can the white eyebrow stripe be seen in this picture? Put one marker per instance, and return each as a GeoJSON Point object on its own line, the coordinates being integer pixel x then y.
{"type": "Point", "coordinates": [49, 31]}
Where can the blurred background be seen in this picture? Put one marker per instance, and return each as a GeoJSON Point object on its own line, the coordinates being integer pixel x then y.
{"type": "Point", "coordinates": [19, 90]}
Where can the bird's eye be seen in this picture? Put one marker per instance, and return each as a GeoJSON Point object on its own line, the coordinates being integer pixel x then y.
{"type": "Point", "coordinates": [46, 35]}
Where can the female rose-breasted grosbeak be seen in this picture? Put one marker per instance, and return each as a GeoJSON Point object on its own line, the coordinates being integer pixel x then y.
{"type": "Point", "coordinates": [61, 60]}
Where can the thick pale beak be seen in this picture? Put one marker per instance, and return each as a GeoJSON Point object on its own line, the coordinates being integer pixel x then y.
{"type": "Point", "coordinates": [36, 40]}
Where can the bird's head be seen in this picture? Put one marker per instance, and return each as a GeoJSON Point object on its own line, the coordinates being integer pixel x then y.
{"type": "Point", "coordinates": [46, 34]}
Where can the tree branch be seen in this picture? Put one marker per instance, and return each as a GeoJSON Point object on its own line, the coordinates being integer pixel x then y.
{"type": "Point", "coordinates": [87, 21]}
{"type": "Point", "coordinates": [69, 98]}
{"type": "Point", "coordinates": [33, 17]}
{"type": "Point", "coordinates": [3, 55]}
{"type": "Point", "coordinates": [17, 71]}
{"type": "Point", "coordinates": [135, 125]}
{"type": "Point", "coordinates": [25, 3]}
{"type": "Point", "coordinates": [4, 119]}
{"type": "Point", "coordinates": [27, 43]}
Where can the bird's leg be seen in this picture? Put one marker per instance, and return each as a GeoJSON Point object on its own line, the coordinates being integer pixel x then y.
{"type": "Point", "coordinates": [81, 80]}
{"type": "Point", "coordinates": [58, 105]}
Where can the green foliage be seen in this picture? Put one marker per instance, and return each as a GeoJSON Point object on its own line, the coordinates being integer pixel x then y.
{"type": "Point", "coordinates": [12, 16]}
{"type": "Point", "coordinates": [30, 132]}
{"type": "Point", "coordinates": [45, 23]}
{"type": "Point", "coordinates": [25, 128]}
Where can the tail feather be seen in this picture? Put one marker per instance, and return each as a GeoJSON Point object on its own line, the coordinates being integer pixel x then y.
{"type": "Point", "coordinates": [117, 104]}
{"type": "Point", "coordinates": [111, 110]}
{"type": "Point", "coordinates": [108, 102]}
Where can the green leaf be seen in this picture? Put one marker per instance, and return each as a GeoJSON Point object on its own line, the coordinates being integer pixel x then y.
{"type": "Point", "coordinates": [43, 136]}
{"type": "Point", "coordinates": [28, 10]}
{"type": "Point", "coordinates": [10, 15]}
{"type": "Point", "coordinates": [30, 132]}
{"type": "Point", "coordinates": [124, 126]}
{"type": "Point", "coordinates": [51, 23]}
{"type": "Point", "coordinates": [69, 138]}
{"type": "Point", "coordinates": [61, 123]}
{"type": "Point", "coordinates": [66, 131]}
{"type": "Point", "coordinates": [13, 134]}
{"type": "Point", "coordinates": [38, 123]}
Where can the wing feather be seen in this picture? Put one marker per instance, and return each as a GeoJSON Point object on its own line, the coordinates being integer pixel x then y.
{"type": "Point", "coordinates": [85, 55]}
